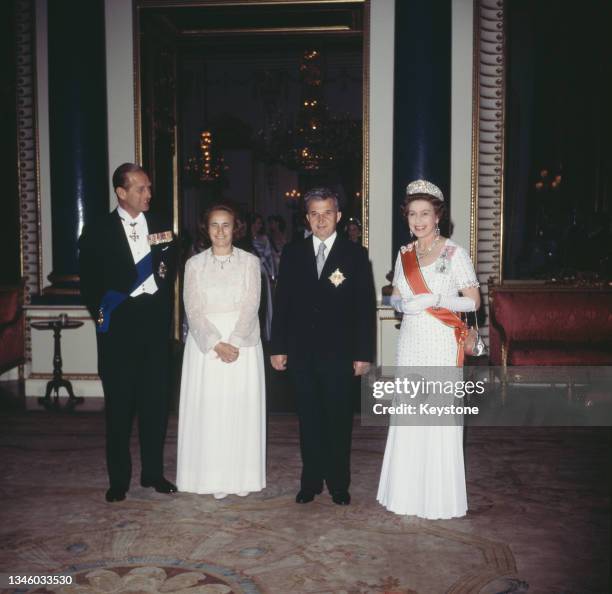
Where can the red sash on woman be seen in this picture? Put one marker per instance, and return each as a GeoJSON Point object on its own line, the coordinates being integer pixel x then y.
{"type": "Point", "coordinates": [414, 278]}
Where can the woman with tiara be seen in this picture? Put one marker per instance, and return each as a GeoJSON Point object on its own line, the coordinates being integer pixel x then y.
{"type": "Point", "coordinates": [434, 280]}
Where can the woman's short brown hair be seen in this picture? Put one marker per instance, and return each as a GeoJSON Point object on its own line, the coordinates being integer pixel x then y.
{"type": "Point", "coordinates": [203, 237]}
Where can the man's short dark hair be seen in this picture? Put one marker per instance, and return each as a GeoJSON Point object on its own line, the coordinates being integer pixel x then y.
{"type": "Point", "coordinates": [120, 177]}
{"type": "Point", "coordinates": [320, 194]}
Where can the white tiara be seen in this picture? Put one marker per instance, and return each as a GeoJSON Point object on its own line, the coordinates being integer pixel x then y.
{"type": "Point", "coordinates": [421, 186]}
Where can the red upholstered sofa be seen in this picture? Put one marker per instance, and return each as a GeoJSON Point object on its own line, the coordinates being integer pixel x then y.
{"type": "Point", "coordinates": [12, 327]}
{"type": "Point", "coordinates": [550, 325]}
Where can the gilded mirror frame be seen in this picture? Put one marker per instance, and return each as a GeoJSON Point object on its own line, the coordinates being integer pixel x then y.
{"type": "Point", "coordinates": [139, 5]}
{"type": "Point", "coordinates": [488, 123]}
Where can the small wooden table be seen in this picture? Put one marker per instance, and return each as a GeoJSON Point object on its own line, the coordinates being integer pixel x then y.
{"type": "Point", "coordinates": [58, 381]}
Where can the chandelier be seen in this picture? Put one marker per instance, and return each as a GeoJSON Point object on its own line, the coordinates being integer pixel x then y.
{"type": "Point", "coordinates": [292, 197]}
{"type": "Point", "coordinates": [207, 166]}
{"type": "Point", "coordinates": [315, 141]}
{"type": "Point", "coordinates": [549, 182]}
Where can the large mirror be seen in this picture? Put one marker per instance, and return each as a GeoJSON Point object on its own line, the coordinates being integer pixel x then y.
{"type": "Point", "coordinates": [252, 102]}
{"type": "Point", "coordinates": [543, 182]}
{"type": "Point", "coordinates": [558, 162]}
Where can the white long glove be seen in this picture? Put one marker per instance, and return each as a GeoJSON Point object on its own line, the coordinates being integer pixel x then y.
{"type": "Point", "coordinates": [457, 303]}
{"type": "Point", "coordinates": [420, 303]}
{"type": "Point", "coordinates": [413, 306]}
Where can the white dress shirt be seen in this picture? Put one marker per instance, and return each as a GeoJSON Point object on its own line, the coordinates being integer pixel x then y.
{"type": "Point", "coordinates": [329, 242]}
{"type": "Point", "coordinates": [139, 247]}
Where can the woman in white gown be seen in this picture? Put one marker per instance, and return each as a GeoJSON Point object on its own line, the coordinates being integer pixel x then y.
{"type": "Point", "coordinates": [221, 436]}
{"type": "Point", "coordinates": [423, 469]}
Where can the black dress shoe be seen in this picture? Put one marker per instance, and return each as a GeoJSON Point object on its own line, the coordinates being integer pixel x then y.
{"type": "Point", "coordinates": [304, 496]}
{"type": "Point", "coordinates": [161, 485]}
{"type": "Point", "coordinates": [114, 495]}
{"type": "Point", "coordinates": [341, 497]}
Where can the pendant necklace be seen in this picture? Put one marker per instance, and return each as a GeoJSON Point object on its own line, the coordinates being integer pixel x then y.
{"type": "Point", "coordinates": [221, 262]}
{"type": "Point", "coordinates": [426, 251]}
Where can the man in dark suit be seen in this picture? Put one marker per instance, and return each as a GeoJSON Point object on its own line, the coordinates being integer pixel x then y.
{"type": "Point", "coordinates": [323, 333]}
{"type": "Point", "coordinates": [127, 266]}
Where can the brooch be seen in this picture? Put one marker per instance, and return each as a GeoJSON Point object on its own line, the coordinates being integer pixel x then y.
{"type": "Point", "coordinates": [100, 319]}
{"type": "Point", "coordinates": [337, 278]}
{"type": "Point", "coordinates": [161, 271]}
{"type": "Point", "coordinates": [444, 259]}
{"type": "Point", "coordinates": [407, 248]}
{"type": "Point", "coordinates": [157, 238]}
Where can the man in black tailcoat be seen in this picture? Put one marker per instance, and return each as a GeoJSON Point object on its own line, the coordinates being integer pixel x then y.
{"type": "Point", "coordinates": [127, 268]}
{"type": "Point", "coordinates": [323, 334]}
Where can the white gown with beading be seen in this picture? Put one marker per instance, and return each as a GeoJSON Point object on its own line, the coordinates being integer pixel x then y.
{"type": "Point", "coordinates": [222, 414]}
{"type": "Point", "coordinates": [423, 470]}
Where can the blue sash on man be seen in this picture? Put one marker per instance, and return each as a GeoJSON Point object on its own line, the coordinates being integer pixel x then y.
{"type": "Point", "coordinates": [112, 299]}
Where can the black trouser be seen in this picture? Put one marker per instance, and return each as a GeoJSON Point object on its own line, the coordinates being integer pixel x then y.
{"type": "Point", "coordinates": [133, 365]}
{"type": "Point", "coordinates": [325, 411]}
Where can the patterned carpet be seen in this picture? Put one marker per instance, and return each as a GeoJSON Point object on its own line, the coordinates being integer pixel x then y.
{"type": "Point", "coordinates": [539, 520]}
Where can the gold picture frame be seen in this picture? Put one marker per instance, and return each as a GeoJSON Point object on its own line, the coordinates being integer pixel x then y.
{"type": "Point", "coordinates": [140, 5]}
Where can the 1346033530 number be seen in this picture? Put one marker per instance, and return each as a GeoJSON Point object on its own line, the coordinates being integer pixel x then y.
{"type": "Point", "coordinates": [39, 580]}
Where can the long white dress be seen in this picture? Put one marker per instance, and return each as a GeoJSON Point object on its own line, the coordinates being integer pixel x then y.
{"type": "Point", "coordinates": [222, 416]}
{"type": "Point", "coordinates": [423, 471]}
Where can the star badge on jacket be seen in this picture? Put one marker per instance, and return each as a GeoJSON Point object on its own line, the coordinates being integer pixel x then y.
{"type": "Point", "coordinates": [337, 278]}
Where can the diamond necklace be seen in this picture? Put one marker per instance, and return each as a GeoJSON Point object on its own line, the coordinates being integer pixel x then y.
{"type": "Point", "coordinates": [426, 251]}
{"type": "Point", "coordinates": [221, 262]}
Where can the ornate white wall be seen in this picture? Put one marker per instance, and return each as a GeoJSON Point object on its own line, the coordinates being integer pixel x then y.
{"type": "Point", "coordinates": [382, 36]}
{"type": "Point", "coordinates": [42, 126]}
{"type": "Point", "coordinates": [381, 148]}
{"type": "Point", "coordinates": [122, 147]}
{"type": "Point", "coordinates": [461, 119]}
{"type": "Point", "coordinates": [119, 86]}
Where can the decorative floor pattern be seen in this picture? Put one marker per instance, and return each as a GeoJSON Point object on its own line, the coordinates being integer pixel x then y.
{"type": "Point", "coordinates": [153, 575]}
{"type": "Point", "coordinates": [538, 521]}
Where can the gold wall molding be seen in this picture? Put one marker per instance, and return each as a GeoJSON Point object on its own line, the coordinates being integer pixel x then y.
{"type": "Point", "coordinates": [30, 247]}
{"type": "Point", "coordinates": [365, 99]}
{"type": "Point", "coordinates": [140, 5]}
{"type": "Point", "coordinates": [221, 3]}
{"type": "Point", "coordinates": [488, 124]}
{"type": "Point", "coordinates": [28, 171]}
